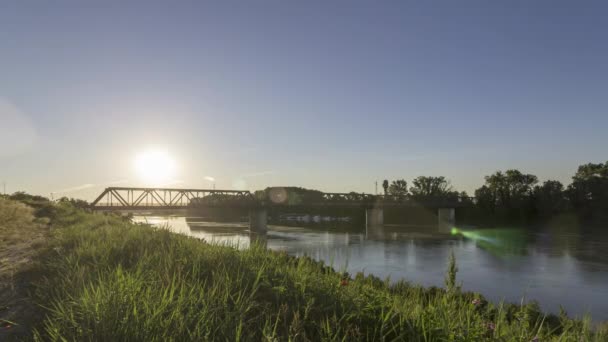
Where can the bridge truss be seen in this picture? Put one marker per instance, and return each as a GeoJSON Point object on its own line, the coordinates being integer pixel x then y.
{"type": "Point", "coordinates": [126, 198]}
{"type": "Point", "coordinates": [117, 198]}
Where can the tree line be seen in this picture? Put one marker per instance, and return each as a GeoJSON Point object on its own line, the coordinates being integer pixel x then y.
{"type": "Point", "coordinates": [516, 197]}
{"type": "Point", "coordinates": [423, 187]}
{"type": "Point", "coordinates": [506, 197]}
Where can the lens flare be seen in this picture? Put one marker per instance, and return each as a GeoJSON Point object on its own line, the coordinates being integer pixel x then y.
{"type": "Point", "coordinates": [500, 242]}
{"type": "Point", "coordinates": [278, 195]}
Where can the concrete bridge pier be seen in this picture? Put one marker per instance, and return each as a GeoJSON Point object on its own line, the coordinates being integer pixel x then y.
{"type": "Point", "coordinates": [374, 222]}
{"type": "Point", "coordinates": [374, 218]}
{"type": "Point", "coordinates": [258, 220]}
{"type": "Point", "coordinates": [446, 219]}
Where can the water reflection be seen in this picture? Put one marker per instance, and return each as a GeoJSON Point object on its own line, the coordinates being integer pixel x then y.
{"type": "Point", "coordinates": [554, 264]}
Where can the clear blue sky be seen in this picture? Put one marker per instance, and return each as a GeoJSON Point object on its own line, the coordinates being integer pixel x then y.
{"type": "Point", "coordinates": [332, 95]}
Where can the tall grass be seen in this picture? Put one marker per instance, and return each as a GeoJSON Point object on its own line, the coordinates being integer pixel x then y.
{"type": "Point", "coordinates": [17, 223]}
{"type": "Point", "coordinates": [104, 278]}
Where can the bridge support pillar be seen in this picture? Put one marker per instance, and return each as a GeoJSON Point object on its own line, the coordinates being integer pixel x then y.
{"type": "Point", "coordinates": [257, 220]}
{"type": "Point", "coordinates": [374, 218]}
{"type": "Point", "coordinates": [446, 219]}
{"type": "Point", "coordinates": [258, 239]}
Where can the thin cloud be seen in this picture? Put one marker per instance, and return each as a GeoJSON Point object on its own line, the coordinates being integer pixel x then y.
{"type": "Point", "coordinates": [88, 186]}
{"type": "Point", "coordinates": [74, 188]}
{"type": "Point", "coordinates": [18, 134]}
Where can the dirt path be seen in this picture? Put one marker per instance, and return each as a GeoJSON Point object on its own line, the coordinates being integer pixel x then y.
{"type": "Point", "coordinates": [17, 311]}
{"type": "Point", "coordinates": [22, 237]}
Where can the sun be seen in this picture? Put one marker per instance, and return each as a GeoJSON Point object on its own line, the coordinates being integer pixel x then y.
{"type": "Point", "coordinates": [154, 167]}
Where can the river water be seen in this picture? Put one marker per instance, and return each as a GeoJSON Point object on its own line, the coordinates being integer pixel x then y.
{"type": "Point", "coordinates": [554, 265]}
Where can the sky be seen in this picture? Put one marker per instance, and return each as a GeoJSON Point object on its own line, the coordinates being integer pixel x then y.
{"type": "Point", "coordinates": [330, 95]}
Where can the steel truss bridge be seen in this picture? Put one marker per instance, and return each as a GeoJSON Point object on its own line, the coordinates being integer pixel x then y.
{"type": "Point", "coordinates": [128, 198]}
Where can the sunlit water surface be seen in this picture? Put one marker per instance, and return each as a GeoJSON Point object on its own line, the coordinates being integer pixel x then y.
{"type": "Point", "coordinates": [552, 266]}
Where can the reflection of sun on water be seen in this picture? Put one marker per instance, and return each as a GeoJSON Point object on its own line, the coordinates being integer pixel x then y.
{"type": "Point", "coordinates": [155, 167]}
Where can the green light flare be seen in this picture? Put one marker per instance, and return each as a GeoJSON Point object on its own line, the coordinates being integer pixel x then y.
{"type": "Point", "coordinates": [500, 242]}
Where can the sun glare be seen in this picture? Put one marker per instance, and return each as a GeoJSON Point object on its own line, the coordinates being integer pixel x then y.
{"type": "Point", "coordinates": [155, 167]}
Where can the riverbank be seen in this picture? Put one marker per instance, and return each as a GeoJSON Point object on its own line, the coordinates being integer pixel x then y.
{"type": "Point", "coordinates": [101, 277]}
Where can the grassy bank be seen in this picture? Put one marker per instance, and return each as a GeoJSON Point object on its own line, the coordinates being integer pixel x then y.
{"type": "Point", "coordinates": [102, 278]}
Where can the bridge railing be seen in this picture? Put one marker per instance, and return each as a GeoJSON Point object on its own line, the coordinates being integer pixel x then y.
{"type": "Point", "coordinates": [396, 199]}
{"type": "Point", "coordinates": [410, 198]}
{"type": "Point", "coordinates": [348, 197]}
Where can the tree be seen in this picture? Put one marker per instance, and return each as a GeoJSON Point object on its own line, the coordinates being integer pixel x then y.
{"type": "Point", "coordinates": [385, 186]}
{"type": "Point", "coordinates": [549, 198]}
{"type": "Point", "coordinates": [486, 199]}
{"type": "Point", "coordinates": [511, 187]}
{"type": "Point", "coordinates": [432, 187]}
{"type": "Point", "coordinates": [588, 192]}
{"type": "Point", "coordinates": [509, 195]}
{"type": "Point", "coordinates": [78, 203]}
{"type": "Point", "coordinates": [465, 198]}
{"type": "Point", "coordinates": [398, 188]}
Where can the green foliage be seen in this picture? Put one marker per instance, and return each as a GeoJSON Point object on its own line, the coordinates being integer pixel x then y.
{"type": "Point", "coordinates": [432, 187]}
{"type": "Point", "coordinates": [78, 203]}
{"type": "Point", "coordinates": [106, 279]}
{"type": "Point", "coordinates": [508, 196]}
{"type": "Point", "coordinates": [588, 192]}
{"type": "Point", "coordinates": [398, 188]}
{"type": "Point", "coordinates": [450, 277]}
{"type": "Point", "coordinates": [514, 197]}
{"type": "Point", "coordinates": [550, 198]}
{"type": "Point", "coordinates": [27, 198]}
{"type": "Point", "coordinates": [42, 206]}
{"type": "Point", "coordinates": [511, 188]}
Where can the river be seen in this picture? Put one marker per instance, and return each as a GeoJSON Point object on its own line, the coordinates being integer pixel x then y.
{"type": "Point", "coordinates": [554, 265]}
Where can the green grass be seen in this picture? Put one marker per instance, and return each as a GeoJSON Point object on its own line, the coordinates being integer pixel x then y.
{"type": "Point", "coordinates": [103, 278]}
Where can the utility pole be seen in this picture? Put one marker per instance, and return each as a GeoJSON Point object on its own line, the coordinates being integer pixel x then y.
{"type": "Point", "coordinates": [4, 188]}
{"type": "Point", "coordinates": [376, 187]}
{"type": "Point", "coordinates": [210, 180]}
